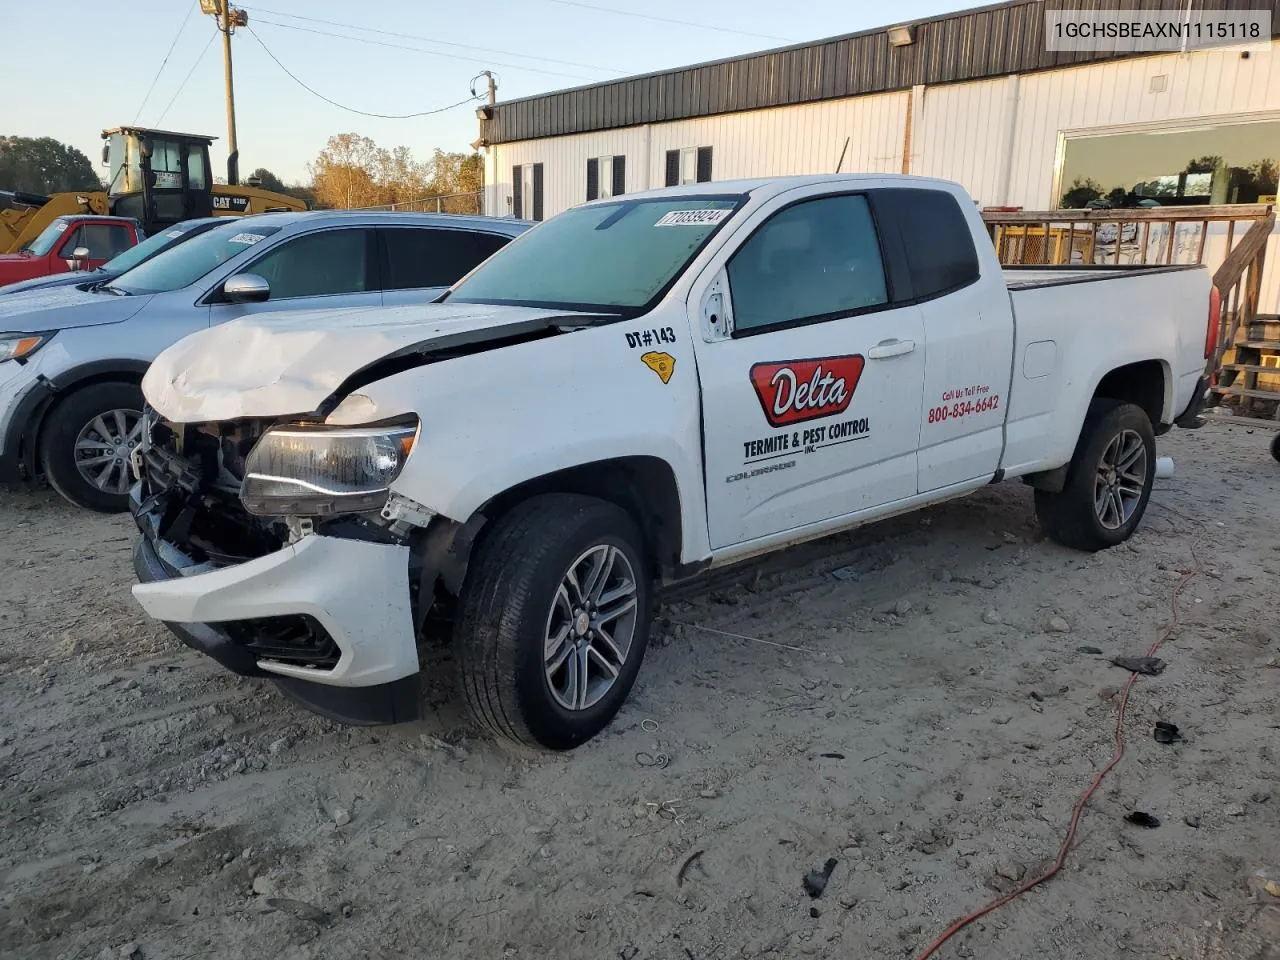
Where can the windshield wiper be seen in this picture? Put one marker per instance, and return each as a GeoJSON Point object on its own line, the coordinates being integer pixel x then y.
{"type": "Point", "coordinates": [111, 289]}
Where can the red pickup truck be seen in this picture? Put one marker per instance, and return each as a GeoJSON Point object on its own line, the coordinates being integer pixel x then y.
{"type": "Point", "coordinates": [96, 239]}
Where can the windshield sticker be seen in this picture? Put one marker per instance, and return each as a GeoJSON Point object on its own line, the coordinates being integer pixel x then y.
{"type": "Point", "coordinates": [691, 218]}
{"type": "Point", "coordinates": [249, 238]}
{"type": "Point", "coordinates": [647, 338]}
{"type": "Point", "coordinates": [173, 233]}
{"type": "Point", "coordinates": [60, 226]}
{"type": "Point", "coordinates": [797, 390]}
{"type": "Point", "coordinates": [663, 364]}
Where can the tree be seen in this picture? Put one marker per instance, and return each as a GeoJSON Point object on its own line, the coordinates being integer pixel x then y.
{"type": "Point", "coordinates": [268, 180]}
{"type": "Point", "coordinates": [44, 165]}
{"type": "Point", "coordinates": [1080, 193]}
{"type": "Point", "coordinates": [346, 172]}
{"type": "Point", "coordinates": [353, 171]}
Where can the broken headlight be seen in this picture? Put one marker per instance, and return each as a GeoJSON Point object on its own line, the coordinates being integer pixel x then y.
{"type": "Point", "coordinates": [304, 470]}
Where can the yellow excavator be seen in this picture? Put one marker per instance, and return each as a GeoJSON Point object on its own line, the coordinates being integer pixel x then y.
{"type": "Point", "coordinates": [157, 177]}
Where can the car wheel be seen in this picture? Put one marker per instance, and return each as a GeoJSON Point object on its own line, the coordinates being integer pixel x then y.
{"type": "Point", "coordinates": [1108, 481]}
{"type": "Point", "coordinates": [85, 445]}
{"type": "Point", "coordinates": [553, 620]}
{"type": "Point", "coordinates": [1275, 446]}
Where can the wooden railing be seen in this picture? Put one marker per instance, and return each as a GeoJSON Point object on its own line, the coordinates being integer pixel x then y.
{"type": "Point", "coordinates": [1165, 235]}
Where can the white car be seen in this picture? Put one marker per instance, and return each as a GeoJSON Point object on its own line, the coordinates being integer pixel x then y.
{"type": "Point", "coordinates": [632, 392]}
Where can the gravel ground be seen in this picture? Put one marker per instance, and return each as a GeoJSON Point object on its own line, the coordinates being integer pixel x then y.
{"type": "Point", "coordinates": [922, 701]}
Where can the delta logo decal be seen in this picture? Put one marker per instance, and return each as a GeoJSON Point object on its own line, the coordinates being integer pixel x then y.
{"type": "Point", "coordinates": [794, 391]}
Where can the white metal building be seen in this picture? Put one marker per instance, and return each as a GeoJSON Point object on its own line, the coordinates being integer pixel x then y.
{"type": "Point", "coordinates": [974, 97]}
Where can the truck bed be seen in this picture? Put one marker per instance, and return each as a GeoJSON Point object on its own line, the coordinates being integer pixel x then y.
{"type": "Point", "coordinates": [1031, 276]}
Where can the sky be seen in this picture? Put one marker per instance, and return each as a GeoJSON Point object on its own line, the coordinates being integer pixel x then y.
{"type": "Point", "coordinates": [358, 60]}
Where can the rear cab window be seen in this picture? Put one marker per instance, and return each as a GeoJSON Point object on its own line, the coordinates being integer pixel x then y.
{"type": "Point", "coordinates": [937, 242]}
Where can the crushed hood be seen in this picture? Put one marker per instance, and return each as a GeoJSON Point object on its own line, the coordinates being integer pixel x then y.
{"type": "Point", "coordinates": [275, 365]}
{"type": "Point", "coordinates": [61, 308]}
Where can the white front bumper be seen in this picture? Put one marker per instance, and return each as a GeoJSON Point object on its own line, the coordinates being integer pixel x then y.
{"type": "Point", "coordinates": [358, 591]}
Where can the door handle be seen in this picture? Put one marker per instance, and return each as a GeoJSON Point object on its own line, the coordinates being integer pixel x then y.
{"type": "Point", "coordinates": [891, 348]}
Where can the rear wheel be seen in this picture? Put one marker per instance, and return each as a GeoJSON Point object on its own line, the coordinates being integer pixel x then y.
{"type": "Point", "coordinates": [86, 442]}
{"type": "Point", "coordinates": [553, 620]}
{"type": "Point", "coordinates": [1108, 481]}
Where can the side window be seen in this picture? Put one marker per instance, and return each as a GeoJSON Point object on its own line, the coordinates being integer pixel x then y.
{"type": "Point", "coordinates": [104, 240]}
{"type": "Point", "coordinates": [937, 239]}
{"type": "Point", "coordinates": [419, 258]}
{"type": "Point", "coordinates": [814, 260]}
{"type": "Point", "coordinates": [317, 265]}
{"type": "Point", "coordinates": [196, 174]}
{"type": "Point", "coordinates": [72, 239]}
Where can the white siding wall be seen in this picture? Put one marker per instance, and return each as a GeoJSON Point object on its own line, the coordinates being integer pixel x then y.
{"type": "Point", "coordinates": [1204, 84]}
{"type": "Point", "coordinates": [962, 135]}
{"type": "Point", "coordinates": [1000, 138]}
{"type": "Point", "coordinates": [564, 167]}
{"type": "Point", "coordinates": [791, 140]}
{"type": "Point", "coordinates": [786, 140]}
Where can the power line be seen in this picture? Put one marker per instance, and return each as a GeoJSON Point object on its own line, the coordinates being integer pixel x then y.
{"type": "Point", "coordinates": [190, 10]}
{"type": "Point", "coordinates": [363, 113]}
{"type": "Point", "coordinates": [183, 84]}
{"type": "Point", "coordinates": [649, 16]}
{"type": "Point", "coordinates": [444, 43]}
{"type": "Point", "coordinates": [430, 53]}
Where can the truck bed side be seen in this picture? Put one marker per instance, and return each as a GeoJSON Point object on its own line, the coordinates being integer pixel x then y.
{"type": "Point", "coordinates": [1141, 328]}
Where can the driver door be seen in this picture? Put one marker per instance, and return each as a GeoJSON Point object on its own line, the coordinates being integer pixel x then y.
{"type": "Point", "coordinates": [812, 395]}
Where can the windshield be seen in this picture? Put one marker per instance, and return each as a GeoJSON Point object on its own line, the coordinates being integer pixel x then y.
{"type": "Point", "coordinates": [47, 238]}
{"type": "Point", "coordinates": [185, 263]}
{"type": "Point", "coordinates": [610, 257]}
{"type": "Point", "coordinates": [149, 247]}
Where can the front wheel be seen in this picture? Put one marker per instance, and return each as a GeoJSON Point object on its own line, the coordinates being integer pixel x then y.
{"type": "Point", "coordinates": [553, 620]}
{"type": "Point", "coordinates": [1108, 481]}
{"type": "Point", "coordinates": [86, 442]}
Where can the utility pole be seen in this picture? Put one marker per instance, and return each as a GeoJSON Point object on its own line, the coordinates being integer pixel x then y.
{"type": "Point", "coordinates": [228, 18]}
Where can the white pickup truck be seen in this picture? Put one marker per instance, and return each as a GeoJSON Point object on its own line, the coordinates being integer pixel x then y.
{"type": "Point", "coordinates": [632, 392]}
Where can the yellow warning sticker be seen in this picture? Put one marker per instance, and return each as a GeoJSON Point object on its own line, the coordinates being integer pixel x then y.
{"type": "Point", "coordinates": [663, 364]}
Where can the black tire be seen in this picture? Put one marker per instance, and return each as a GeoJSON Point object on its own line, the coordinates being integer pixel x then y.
{"type": "Point", "coordinates": [1275, 446]}
{"type": "Point", "coordinates": [1070, 517]}
{"type": "Point", "coordinates": [58, 443]}
{"type": "Point", "coordinates": [512, 582]}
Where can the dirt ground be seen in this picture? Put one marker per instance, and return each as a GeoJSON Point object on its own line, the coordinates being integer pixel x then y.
{"type": "Point", "coordinates": [900, 699]}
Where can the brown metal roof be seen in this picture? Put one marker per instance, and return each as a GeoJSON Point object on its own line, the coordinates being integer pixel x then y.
{"type": "Point", "coordinates": [972, 44]}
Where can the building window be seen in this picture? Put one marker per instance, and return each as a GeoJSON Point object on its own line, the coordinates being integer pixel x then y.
{"type": "Point", "coordinates": [606, 177]}
{"type": "Point", "coordinates": [526, 191]}
{"type": "Point", "coordinates": [1218, 163]}
{"type": "Point", "coordinates": [689, 165]}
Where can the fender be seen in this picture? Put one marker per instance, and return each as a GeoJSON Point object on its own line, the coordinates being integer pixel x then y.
{"type": "Point", "coordinates": [18, 455]}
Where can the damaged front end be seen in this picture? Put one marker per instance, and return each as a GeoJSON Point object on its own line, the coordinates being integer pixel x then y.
{"type": "Point", "coordinates": [278, 549]}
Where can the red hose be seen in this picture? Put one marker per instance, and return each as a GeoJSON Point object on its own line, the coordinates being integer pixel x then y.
{"type": "Point", "coordinates": [1077, 811]}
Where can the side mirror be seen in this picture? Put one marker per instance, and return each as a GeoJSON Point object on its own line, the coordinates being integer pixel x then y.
{"type": "Point", "coordinates": [246, 288]}
{"type": "Point", "coordinates": [144, 148]}
{"type": "Point", "coordinates": [106, 154]}
{"type": "Point", "coordinates": [78, 257]}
